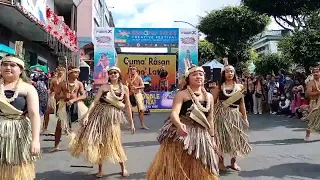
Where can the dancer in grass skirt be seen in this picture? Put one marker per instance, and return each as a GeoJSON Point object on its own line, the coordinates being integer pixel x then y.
{"type": "Point", "coordinates": [313, 91]}
{"type": "Point", "coordinates": [99, 139]}
{"type": "Point", "coordinates": [230, 119]}
{"type": "Point", "coordinates": [19, 122]}
{"type": "Point", "coordinates": [187, 150]}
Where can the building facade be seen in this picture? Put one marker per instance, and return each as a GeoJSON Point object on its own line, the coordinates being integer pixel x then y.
{"type": "Point", "coordinates": [267, 42]}
{"type": "Point", "coordinates": [46, 28]}
{"type": "Point", "coordinates": [92, 14]}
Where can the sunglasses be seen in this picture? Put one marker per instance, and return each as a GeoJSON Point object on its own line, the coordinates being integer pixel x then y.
{"type": "Point", "coordinates": [113, 72]}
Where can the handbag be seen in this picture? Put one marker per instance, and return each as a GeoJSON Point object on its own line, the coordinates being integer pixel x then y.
{"type": "Point", "coordinates": [258, 95]}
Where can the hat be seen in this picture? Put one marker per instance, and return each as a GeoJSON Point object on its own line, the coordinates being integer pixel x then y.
{"type": "Point", "coordinates": [11, 58]}
{"type": "Point", "coordinates": [192, 69]}
{"type": "Point", "coordinates": [7, 108]}
{"type": "Point", "coordinates": [114, 68]}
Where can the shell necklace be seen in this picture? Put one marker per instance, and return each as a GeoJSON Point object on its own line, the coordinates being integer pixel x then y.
{"type": "Point", "coordinates": [15, 89]}
{"type": "Point", "coordinates": [196, 101]}
{"type": "Point", "coordinates": [112, 91]}
{"type": "Point", "coordinates": [224, 90]}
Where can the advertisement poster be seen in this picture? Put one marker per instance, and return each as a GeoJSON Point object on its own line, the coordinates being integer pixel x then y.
{"type": "Point", "coordinates": [188, 48]}
{"type": "Point", "coordinates": [104, 54]}
{"type": "Point", "coordinates": [149, 64]}
{"type": "Point", "coordinates": [146, 37]}
{"type": "Point", "coordinates": [159, 100]}
{"type": "Point", "coordinates": [38, 8]}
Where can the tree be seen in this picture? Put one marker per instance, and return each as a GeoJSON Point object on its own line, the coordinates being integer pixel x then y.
{"type": "Point", "coordinates": [292, 12]}
{"type": "Point", "coordinates": [271, 63]}
{"type": "Point", "coordinates": [303, 47]}
{"type": "Point", "coordinates": [206, 52]}
{"type": "Point", "coordinates": [231, 29]}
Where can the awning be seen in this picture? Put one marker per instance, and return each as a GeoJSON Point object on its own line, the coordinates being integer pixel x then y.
{"type": "Point", "coordinates": [6, 49]}
{"type": "Point", "coordinates": [84, 64]}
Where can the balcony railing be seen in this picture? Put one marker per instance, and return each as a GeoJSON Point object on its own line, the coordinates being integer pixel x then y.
{"type": "Point", "coordinates": [58, 32]}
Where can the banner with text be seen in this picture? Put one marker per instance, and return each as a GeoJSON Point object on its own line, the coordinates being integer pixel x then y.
{"type": "Point", "coordinates": [149, 64]}
{"type": "Point", "coordinates": [104, 53]}
{"type": "Point", "coordinates": [159, 100]}
{"type": "Point", "coordinates": [146, 37]}
{"type": "Point", "coordinates": [188, 48]}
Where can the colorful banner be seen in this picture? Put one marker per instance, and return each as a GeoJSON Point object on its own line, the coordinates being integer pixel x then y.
{"type": "Point", "coordinates": [38, 8]}
{"type": "Point", "coordinates": [104, 53]}
{"type": "Point", "coordinates": [149, 64]}
{"type": "Point", "coordinates": [146, 37]}
{"type": "Point", "coordinates": [188, 48]}
{"type": "Point", "coordinates": [159, 100]}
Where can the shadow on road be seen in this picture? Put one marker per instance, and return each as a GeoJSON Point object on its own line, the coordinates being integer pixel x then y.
{"type": "Point", "coordinates": [60, 175]}
{"type": "Point", "coordinates": [268, 121]}
{"type": "Point", "coordinates": [47, 150]}
{"type": "Point", "coordinates": [140, 144]}
{"type": "Point", "coordinates": [283, 142]}
{"type": "Point", "coordinates": [141, 175]}
{"type": "Point", "coordinates": [304, 170]}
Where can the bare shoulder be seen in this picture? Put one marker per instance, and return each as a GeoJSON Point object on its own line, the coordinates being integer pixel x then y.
{"type": "Point", "coordinates": [209, 95]}
{"type": "Point", "coordinates": [126, 89]}
{"type": "Point", "coordinates": [27, 88]}
{"type": "Point", "coordinates": [240, 85]}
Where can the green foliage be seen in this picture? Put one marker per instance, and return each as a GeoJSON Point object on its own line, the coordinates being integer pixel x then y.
{"type": "Point", "coordinates": [271, 63]}
{"type": "Point", "coordinates": [253, 55]}
{"type": "Point", "coordinates": [206, 51]}
{"type": "Point", "coordinates": [88, 100]}
{"type": "Point", "coordinates": [303, 47]}
{"type": "Point", "coordinates": [231, 29]}
{"type": "Point", "coordinates": [282, 7]}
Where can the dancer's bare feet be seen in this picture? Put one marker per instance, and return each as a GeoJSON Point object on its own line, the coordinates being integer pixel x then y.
{"type": "Point", "coordinates": [55, 149]}
{"type": "Point", "coordinates": [307, 138]}
{"type": "Point", "coordinates": [99, 175]}
{"type": "Point", "coordinates": [125, 173]}
{"type": "Point", "coordinates": [222, 167]}
{"type": "Point", "coordinates": [235, 167]}
{"type": "Point", "coordinates": [144, 127]}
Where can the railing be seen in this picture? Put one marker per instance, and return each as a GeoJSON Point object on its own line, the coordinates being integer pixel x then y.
{"type": "Point", "coordinates": [6, 1]}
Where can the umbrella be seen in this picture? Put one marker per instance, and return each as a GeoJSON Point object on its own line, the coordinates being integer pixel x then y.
{"type": "Point", "coordinates": [43, 68]}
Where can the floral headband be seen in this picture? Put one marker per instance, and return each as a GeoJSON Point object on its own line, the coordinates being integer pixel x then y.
{"type": "Point", "coordinates": [114, 68]}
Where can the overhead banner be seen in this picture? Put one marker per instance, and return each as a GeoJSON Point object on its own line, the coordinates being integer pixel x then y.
{"type": "Point", "coordinates": [159, 100]}
{"type": "Point", "coordinates": [149, 64]}
{"type": "Point", "coordinates": [146, 37]}
{"type": "Point", "coordinates": [188, 48]}
{"type": "Point", "coordinates": [104, 53]}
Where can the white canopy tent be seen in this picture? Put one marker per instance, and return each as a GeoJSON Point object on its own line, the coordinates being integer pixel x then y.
{"type": "Point", "coordinates": [84, 64]}
{"type": "Point", "coordinates": [214, 64]}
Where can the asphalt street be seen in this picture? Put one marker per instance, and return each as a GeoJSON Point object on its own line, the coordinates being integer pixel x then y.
{"type": "Point", "coordinates": [279, 152]}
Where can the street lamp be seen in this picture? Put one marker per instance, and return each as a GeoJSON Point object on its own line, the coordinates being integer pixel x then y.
{"type": "Point", "coordinates": [185, 22]}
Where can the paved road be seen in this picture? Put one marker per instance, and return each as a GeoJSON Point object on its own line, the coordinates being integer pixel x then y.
{"type": "Point", "coordinates": [279, 152]}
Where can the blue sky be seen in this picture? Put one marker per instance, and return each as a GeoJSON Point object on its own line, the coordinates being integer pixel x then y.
{"type": "Point", "coordinates": [163, 13]}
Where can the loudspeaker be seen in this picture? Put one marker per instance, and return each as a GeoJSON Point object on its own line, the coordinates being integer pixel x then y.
{"type": "Point", "coordinates": [216, 74]}
{"type": "Point", "coordinates": [208, 73]}
{"type": "Point", "coordinates": [84, 74]}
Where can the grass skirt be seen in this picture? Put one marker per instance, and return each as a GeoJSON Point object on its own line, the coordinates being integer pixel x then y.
{"type": "Point", "coordinates": [231, 131]}
{"type": "Point", "coordinates": [314, 120]}
{"type": "Point", "coordinates": [52, 102]}
{"type": "Point", "coordinates": [184, 158]}
{"type": "Point", "coordinates": [16, 162]}
{"type": "Point", "coordinates": [101, 139]}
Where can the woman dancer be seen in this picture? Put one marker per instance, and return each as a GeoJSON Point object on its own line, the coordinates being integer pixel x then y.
{"type": "Point", "coordinates": [100, 137]}
{"type": "Point", "coordinates": [187, 149]}
{"type": "Point", "coordinates": [230, 119]}
{"type": "Point", "coordinates": [18, 102]}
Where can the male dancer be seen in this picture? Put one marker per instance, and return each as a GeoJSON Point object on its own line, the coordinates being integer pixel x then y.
{"type": "Point", "coordinates": [313, 91]}
{"type": "Point", "coordinates": [70, 105]}
{"type": "Point", "coordinates": [136, 87]}
{"type": "Point", "coordinates": [51, 106]}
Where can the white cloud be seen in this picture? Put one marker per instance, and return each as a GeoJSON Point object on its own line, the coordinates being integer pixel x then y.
{"type": "Point", "coordinates": [163, 13]}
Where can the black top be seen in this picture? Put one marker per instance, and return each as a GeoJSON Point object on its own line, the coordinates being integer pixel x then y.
{"type": "Point", "coordinates": [223, 97]}
{"type": "Point", "coordinates": [187, 104]}
{"type": "Point", "coordinates": [163, 73]}
{"type": "Point", "coordinates": [20, 102]}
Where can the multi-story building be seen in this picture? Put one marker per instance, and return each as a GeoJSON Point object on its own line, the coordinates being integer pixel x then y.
{"type": "Point", "coordinates": [267, 41]}
{"type": "Point", "coordinates": [92, 14]}
{"type": "Point", "coordinates": [46, 27]}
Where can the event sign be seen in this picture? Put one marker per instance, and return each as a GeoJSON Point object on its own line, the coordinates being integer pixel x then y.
{"type": "Point", "coordinates": [159, 99]}
{"type": "Point", "coordinates": [188, 48]}
{"type": "Point", "coordinates": [146, 37]}
{"type": "Point", "coordinates": [104, 53]}
{"type": "Point", "coordinates": [149, 64]}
